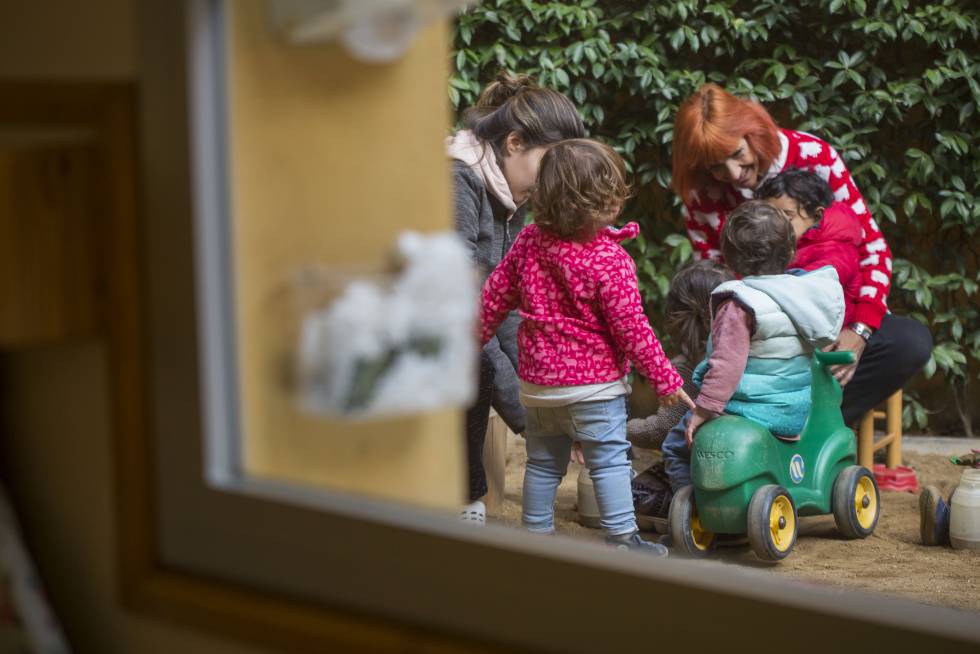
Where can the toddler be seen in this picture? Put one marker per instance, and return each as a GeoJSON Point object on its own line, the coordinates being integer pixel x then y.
{"type": "Point", "coordinates": [687, 320]}
{"type": "Point", "coordinates": [764, 329]}
{"type": "Point", "coordinates": [582, 323]}
{"type": "Point", "coordinates": [827, 233]}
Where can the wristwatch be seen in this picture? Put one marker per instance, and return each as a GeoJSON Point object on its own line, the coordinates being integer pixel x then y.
{"type": "Point", "coordinates": [861, 330]}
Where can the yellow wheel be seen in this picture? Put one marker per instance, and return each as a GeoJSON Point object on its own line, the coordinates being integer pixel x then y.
{"type": "Point", "coordinates": [772, 523]}
{"type": "Point", "coordinates": [686, 530]}
{"type": "Point", "coordinates": [856, 502]}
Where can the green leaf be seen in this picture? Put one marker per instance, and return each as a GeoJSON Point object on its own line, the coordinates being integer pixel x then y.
{"type": "Point", "coordinates": [800, 103]}
{"type": "Point", "coordinates": [677, 39]}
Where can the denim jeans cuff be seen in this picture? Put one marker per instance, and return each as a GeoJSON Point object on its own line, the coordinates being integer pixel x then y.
{"type": "Point", "coordinates": [540, 531]}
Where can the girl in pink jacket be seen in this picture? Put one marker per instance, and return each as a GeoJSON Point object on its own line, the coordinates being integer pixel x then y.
{"type": "Point", "coordinates": [582, 324]}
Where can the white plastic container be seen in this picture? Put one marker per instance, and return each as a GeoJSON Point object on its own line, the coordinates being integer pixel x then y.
{"type": "Point", "coordinates": [964, 512]}
{"type": "Point", "coordinates": [588, 506]}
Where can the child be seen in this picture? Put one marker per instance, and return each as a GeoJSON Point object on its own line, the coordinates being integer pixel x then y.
{"type": "Point", "coordinates": [827, 233]}
{"type": "Point", "coordinates": [688, 321]}
{"type": "Point", "coordinates": [582, 323]}
{"type": "Point", "coordinates": [763, 332]}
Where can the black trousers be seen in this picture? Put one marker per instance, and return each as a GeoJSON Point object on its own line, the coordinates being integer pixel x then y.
{"type": "Point", "coordinates": [477, 419]}
{"type": "Point", "coordinates": [896, 351]}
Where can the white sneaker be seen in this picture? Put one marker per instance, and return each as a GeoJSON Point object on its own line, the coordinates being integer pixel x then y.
{"type": "Point", "coordinates": [474, 513]}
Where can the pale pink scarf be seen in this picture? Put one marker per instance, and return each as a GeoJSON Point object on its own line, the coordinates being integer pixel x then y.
{"type": "Point", "coordinates": [479, 156]}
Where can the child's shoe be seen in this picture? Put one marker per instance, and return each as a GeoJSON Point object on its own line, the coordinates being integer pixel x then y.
{"type": "Point", "coordinates": [633, 541]}
{"type": "Point", "coordinates": [474, 513]}
{"type": "Point", "coordinates": [933, 517]}
{"type": "Point", "coordinates": [651, 496]}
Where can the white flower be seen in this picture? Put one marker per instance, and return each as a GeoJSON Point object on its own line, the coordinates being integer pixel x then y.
{"type": "Point", "coordinates": [837, 167]}
{"type": "Point", "coordinates": [874, 225]}
{"type": "Point", "coordinates": [810, 149]}
{"type": "Point", "coordinates": [842, 193]}
{"type": "Point", "coordinates": [871, 261]}
{"type": "Point", "coordinates": [823, 171]}
{"type": "Point", "coordinates": [876, 245]}
{"type": "Point", "coordinates": [880, 277]}
{"type": "Point", "coordinates": [888, 264]}
{"type": "Point", "coordinates": [710, 218]}
{"type": "Point", "coordinates": [859, 207]}
{"type": "Point", "coordinates": [869, 291]}
{"type": "Point", "coordinates": [696, 236]}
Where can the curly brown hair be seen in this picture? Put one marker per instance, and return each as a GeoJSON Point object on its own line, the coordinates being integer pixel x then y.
{"type": "Point", "coordinates": [757, 240]}
{"type": "Point", "coordinates": [579, 183]}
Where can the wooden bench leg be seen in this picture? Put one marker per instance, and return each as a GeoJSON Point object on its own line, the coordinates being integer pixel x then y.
{"type": "Point", "coordinates": [866, 440]}
{"type": "Point", "coordinates": [893, 410]}
{"type": "Point", "coordinates": [495, 463]}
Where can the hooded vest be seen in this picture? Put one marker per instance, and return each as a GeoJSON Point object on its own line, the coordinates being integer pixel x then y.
{"type": "Point", "coordinates": [793, 315]}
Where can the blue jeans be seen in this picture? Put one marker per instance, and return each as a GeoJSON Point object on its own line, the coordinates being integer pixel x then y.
{"type": "Point", "coordinates": [601, 429]}
{"type": "Point", "coordinates": [677, 455]}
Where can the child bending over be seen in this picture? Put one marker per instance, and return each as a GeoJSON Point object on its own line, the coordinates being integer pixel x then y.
{"type": "Point", "coordinates": [764, 329]}
{"type": "Point", "coordinates": [687, 320]}
{"type": "Point", "coordinates": [827, 233]}
{"type": "Point", "coordinates": [582, 324]}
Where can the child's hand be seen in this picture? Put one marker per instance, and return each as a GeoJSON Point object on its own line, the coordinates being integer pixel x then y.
{"type": "Point", "coordinates": [577, 456]}
{"type": "Point", "coordinates": [677, 396]}
{"type": "Point", "coordinates": [698, 418]}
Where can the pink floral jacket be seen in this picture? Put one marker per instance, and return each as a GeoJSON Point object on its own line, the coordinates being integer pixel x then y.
{"type": "Point", "coordinates": [582, 319]}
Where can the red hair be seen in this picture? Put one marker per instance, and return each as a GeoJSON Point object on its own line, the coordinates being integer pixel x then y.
{"type": "Point", "coordinates": [707, 130]}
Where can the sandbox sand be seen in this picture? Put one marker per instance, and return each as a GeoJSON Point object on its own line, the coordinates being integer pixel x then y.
{"type": "Point", "coordinates": [891, 561]}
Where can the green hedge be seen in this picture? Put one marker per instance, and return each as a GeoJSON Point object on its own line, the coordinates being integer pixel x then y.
{"type": "Point", "coordinates": [894, 85]}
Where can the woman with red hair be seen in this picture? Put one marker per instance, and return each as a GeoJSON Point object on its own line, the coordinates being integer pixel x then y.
{"type": "Point", "coordinates": [724, 148]}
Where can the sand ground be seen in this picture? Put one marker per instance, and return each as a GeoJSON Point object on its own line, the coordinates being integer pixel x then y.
{"type": "Point", "coordinates": [891, 561]}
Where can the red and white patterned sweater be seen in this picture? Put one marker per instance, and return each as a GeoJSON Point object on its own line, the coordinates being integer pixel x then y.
{"type": "Point", "coordinates": [582, 318]}
{"type": "Point", "coordinates": [706, 214]}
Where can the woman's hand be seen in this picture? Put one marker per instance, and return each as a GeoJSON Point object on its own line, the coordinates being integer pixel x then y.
{"type": "Point", "coordinates": [698, 418]}
{"type": "Point", "coordinates": [677, 396]}
{"type": "Point", "coordinates": [848, 340]}
{"type": "Point", "coordinates": [577, 456]}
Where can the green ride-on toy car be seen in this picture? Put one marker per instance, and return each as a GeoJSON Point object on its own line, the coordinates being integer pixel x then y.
{"type": "Point", "coordinates": [747, 481]}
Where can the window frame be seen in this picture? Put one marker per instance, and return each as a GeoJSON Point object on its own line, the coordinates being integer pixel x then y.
{"type": "Point", "coordinates": [305, 569]}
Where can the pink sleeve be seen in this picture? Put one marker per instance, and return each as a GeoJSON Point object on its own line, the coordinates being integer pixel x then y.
{"type": "Point", "coordinates": [501, 293]}
{"type": "Point", "coordinates": [619, 298]}
{"type": "Point", "coordinates": [730, 335]}
{"type": "Point", "coordinates": [876, 256]}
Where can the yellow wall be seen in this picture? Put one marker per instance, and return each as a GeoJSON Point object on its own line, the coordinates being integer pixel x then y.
{"type": "Point", "coordinates": [332, 159]}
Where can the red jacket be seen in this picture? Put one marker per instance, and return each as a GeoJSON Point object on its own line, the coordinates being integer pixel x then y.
{"type": "Point", "coordinates": [834, 241]}
{"type": "Point", "coordinates": [582, 321]}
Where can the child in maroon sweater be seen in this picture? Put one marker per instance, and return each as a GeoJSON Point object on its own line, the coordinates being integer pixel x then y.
{"type": "Point", "coordinates": [827, 233]}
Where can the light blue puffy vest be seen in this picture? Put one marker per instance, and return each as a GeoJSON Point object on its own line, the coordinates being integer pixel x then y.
{"type": "Point", "coordinates": [793, 315]}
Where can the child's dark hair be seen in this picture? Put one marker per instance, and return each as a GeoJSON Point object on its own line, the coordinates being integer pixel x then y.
{"type": "Point", "coordinates": [687, 315]}
{"type": "Point", "coordinates": [579, 182]}
{"type": "Point", "coordinates": [804, 186]}
{"type": "Point", "coordinates": [757, 240]}
{"type": "Point", "coordinates": [539, 116]}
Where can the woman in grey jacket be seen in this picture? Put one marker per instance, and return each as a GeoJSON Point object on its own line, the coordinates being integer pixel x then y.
{"type": "Point", "coordinates": [495, 166]}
